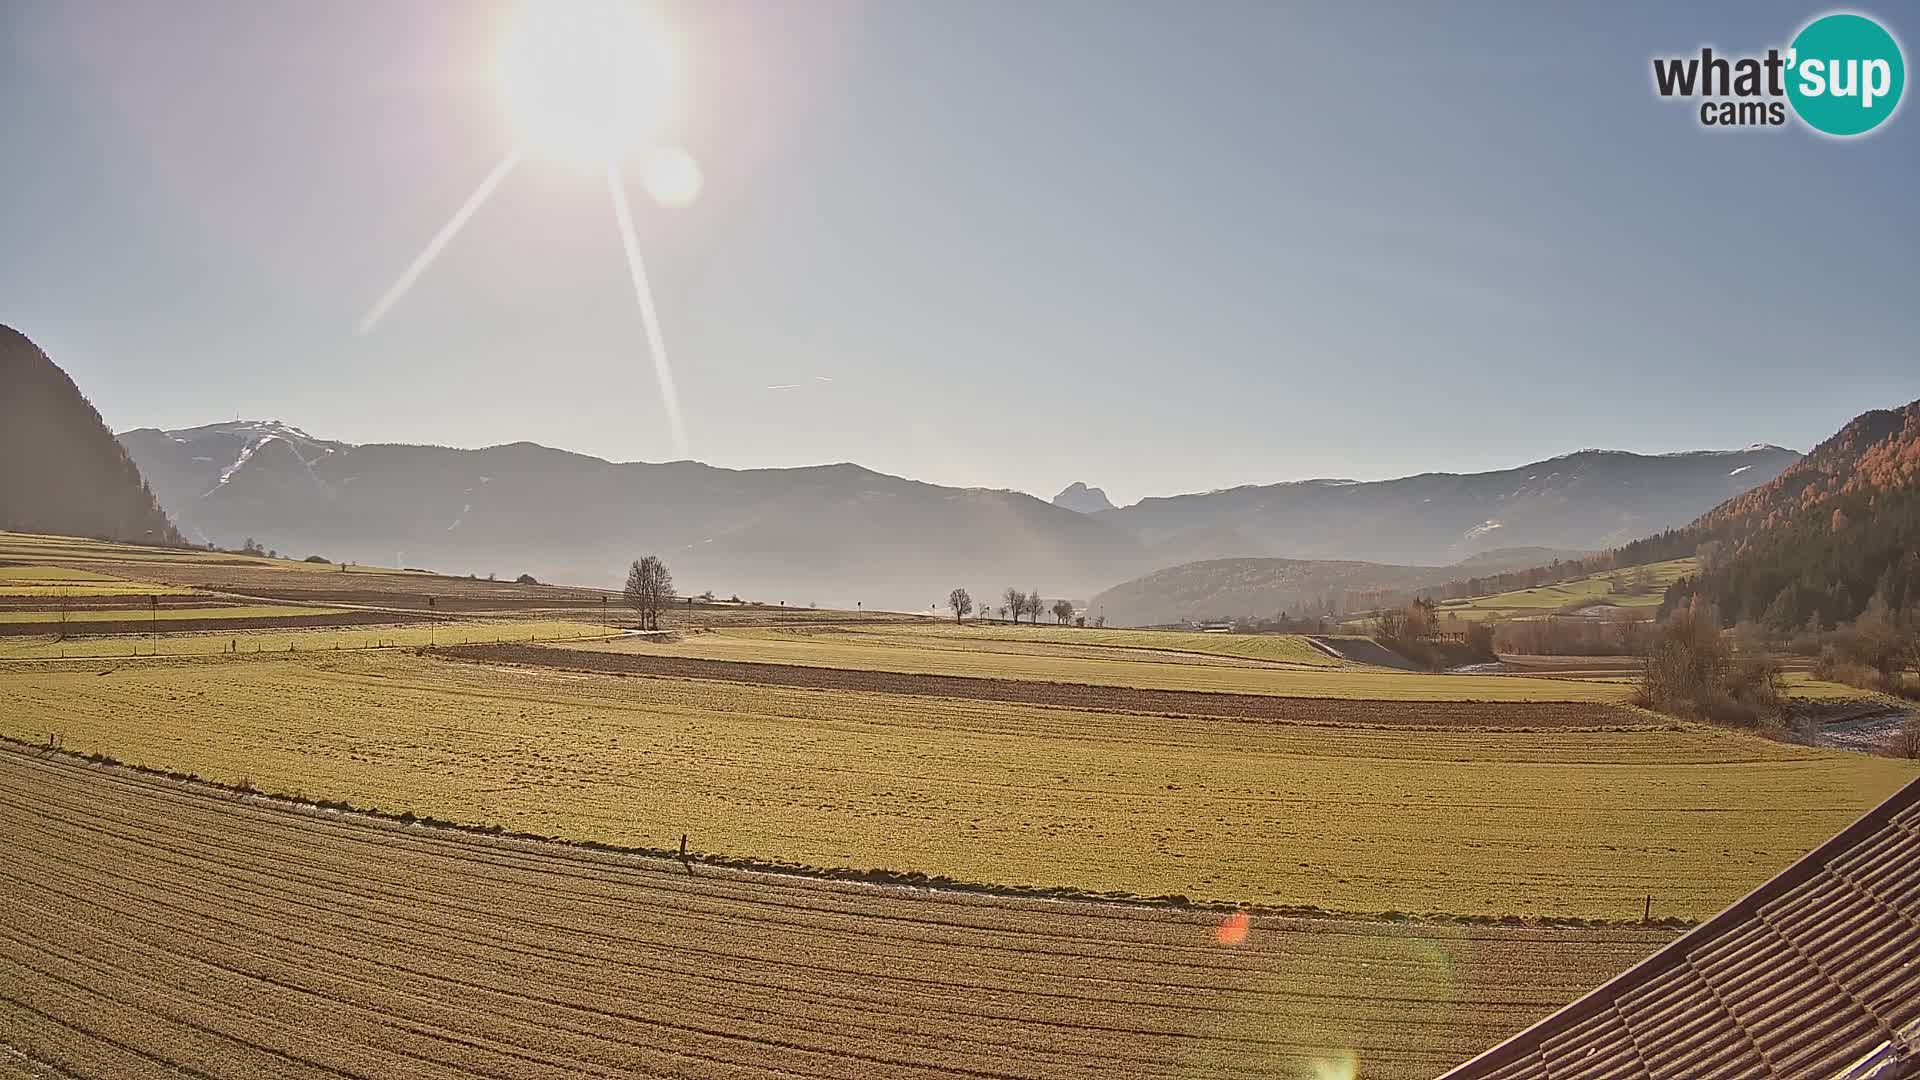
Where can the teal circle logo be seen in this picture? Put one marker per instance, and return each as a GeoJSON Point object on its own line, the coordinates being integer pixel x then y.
{"type": "Point", "coordinates": [1845, 74]}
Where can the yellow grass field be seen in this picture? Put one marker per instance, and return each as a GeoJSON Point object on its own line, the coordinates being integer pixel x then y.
{"type": "Point", "coordinates": [40, 580]}
{"type": "Point", "coordinates": [215, 642]}
{"type": "Point", "coordinates": [1008, 655]}
{"type": "Point", "coordinates": [1594, 589]}
{"type": "Point", "coordinates": [1570, 823]}
{"type": "Point", "coordinates": [1280, 648]}
{"type": "Point", "coordinates": [150, 923]}
{"type": "Point", "coordinates": [163, 615]}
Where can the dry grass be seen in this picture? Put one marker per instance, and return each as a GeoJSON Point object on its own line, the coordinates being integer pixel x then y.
{"type": "Point", "coordinates": [1012, 658]}
{"type": "Point", "coordinates": [320, 639]}
{"type": "Point", "coordinates": [146, 925]}
{"type": "Point", "coordinates": [1279, 648]}
{"type": "Point", "coordinates": [1464, 821]}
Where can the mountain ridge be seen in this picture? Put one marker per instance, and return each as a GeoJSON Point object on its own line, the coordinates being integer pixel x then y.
{"type": "Point", "coordinates": [838, 532]}
{"type": "Point", "coordinates": [61, 469]}
{"type": "Point", "coordinates": [1831, 536]}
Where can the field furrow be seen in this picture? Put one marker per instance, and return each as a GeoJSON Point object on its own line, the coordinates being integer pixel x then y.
{"type": "Point", "coordinates": [152, 922]}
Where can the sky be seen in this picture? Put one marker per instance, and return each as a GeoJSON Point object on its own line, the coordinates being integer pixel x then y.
{"type": "Point", "coordinates": [1156, 247]}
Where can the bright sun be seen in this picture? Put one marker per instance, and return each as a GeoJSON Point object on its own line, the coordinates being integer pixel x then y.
{"type": "Point", "coordinates": [588, 82]}
{"type": "Point", "coordinates": [585, 81]}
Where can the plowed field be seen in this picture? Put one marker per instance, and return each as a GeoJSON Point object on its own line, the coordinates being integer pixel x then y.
{"type": "Point", "coordinates": [154, 928]}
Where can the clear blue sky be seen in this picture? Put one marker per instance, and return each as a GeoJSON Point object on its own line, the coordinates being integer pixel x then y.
{"type": "Point", "coordinates": [1153, 246]}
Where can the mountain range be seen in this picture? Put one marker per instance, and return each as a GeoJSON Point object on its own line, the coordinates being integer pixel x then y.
{"type": "Point", "coordinates": [841, 534]}
{"type": "Point", "coordinates": [1588, 500]}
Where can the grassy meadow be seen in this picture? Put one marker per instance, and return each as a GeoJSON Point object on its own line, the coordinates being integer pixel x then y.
{"type": "Point", "coordinates": [1530, 794]}
{"type": "Point", "coordinates": [1470, 821]}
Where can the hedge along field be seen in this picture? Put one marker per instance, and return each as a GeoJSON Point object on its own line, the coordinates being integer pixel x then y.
{"type": "Point", "coordinates": [876, 651]}
{"type": "Point", "coordinates": [1469, 821]}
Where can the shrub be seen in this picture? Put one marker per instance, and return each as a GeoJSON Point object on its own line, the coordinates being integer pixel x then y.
{"type": "Point", "coordinates": [525, 579]}
{"type": "Point", "coordinates": [316, 559]}
{"type": "Point", "coordinates": [1692, 671]}
{"type": "Point", "coordinates": [1905, 743]}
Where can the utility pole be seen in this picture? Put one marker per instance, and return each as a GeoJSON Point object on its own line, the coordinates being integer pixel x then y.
{"type": "Point", "coordinates": [153, 611]}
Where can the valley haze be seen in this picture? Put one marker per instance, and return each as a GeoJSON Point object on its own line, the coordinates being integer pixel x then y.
{"type": "Point", "coordinates": [842, 534]}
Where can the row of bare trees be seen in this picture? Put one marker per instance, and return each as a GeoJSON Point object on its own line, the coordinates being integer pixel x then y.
{"type": "Point", "coordinates": [1016, 604]}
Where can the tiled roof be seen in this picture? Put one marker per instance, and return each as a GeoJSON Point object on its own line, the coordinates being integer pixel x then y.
{"type": "Point", "coordinates": [1816, 973]}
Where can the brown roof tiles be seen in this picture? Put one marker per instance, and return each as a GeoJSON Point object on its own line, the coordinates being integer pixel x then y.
{"type": "Point", "coordinates": [1816, 973]}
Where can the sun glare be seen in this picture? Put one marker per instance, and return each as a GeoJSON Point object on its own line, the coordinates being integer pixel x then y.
{"type": "Point", "coordinates": [671, 176]}
{"type": "Point", "coordinates": [585, 81]}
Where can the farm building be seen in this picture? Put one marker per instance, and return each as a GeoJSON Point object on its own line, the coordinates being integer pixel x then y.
{"type": "Point", "coordinates": [1816, 973]}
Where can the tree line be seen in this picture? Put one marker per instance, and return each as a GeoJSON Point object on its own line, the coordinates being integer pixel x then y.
{"type": "Point", "coordinates": [1013, 603]}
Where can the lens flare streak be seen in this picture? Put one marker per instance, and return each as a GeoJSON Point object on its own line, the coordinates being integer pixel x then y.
{"type": "Point", "coordinates": [441, 239]}
{"type": "Point", "coordinates": [642, 292]}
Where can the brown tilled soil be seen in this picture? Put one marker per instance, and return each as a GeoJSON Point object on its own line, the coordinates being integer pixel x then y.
{"type": "Point", "coordinates": [1423, 714]}
{"type": "Point", "coordinates": [152, 927]}
{"type": "Point", "coordinates": [182, 626]}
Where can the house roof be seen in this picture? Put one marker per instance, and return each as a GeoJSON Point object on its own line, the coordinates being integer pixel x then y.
{"type": "Point", "coordinates": [1816, 973]}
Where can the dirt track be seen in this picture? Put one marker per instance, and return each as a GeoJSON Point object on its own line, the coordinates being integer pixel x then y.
{"type": "Point", "coordinates": [1411, 714]}
{"type": "Point", "coordinates": [151, 927]}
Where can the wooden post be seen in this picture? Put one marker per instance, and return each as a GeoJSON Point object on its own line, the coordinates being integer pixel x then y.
{"type": "Point", "coordinates": [1647, 916]}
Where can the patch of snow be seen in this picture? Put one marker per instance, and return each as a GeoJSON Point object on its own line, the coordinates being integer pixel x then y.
{"type": "Point", "coordinates": [455, 525]}
{"type": "Point", "coordinates": [1740, 470]}
{"type": "Point", "coordinates": [1483, 528]}
{"type": "Point", "coordinates": [226, 474]}
{"type": "Point", "coordinates": [465, 508]}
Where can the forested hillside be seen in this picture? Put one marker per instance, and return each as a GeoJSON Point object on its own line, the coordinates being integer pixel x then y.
{"type": "Point", "coordinates": [61, 471]}
{"type": "Point", "coordinates": [1825, 539]}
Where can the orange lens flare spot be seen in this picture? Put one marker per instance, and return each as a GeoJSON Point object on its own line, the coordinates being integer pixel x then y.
{"type": "Point", "coordinates": [1232, 929]}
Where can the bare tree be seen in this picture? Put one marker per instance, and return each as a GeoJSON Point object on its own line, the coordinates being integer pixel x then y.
{"type": "Point", "coordinates": [1035, 606]}
{"type": "Point", "coordinates": [1016, 602]}
{"type": "Point", "coordinates": [649, 587]}
{"type": "Point", "coordinates": [1906, 742]}
{"type": "Point", "coordinates": [1062, 611]}
{"type": "Point", "coordinates": [960, 603]}
{"type": "Point", "coordinates": [1003, 612]}
{"type": "Point", "coordinates": [1390, 624]}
